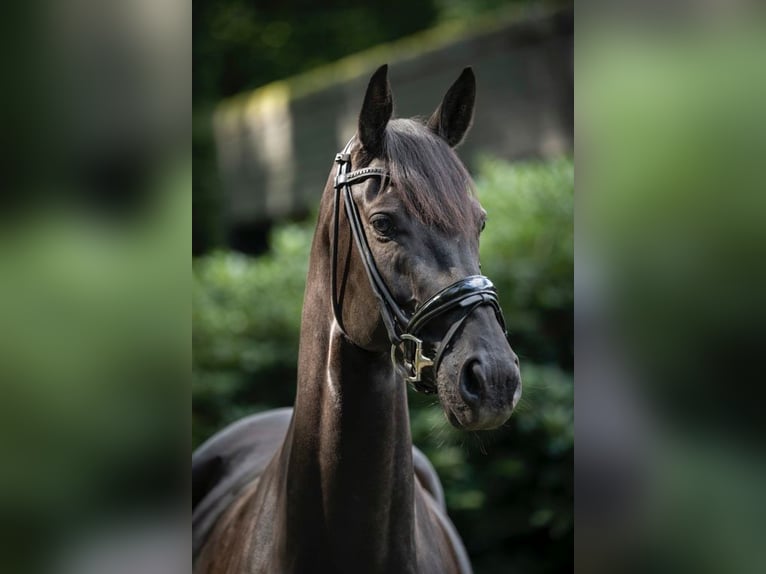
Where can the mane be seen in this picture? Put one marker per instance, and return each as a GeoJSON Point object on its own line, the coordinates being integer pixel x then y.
{"type": "Point", "coordinates": [433, 183]}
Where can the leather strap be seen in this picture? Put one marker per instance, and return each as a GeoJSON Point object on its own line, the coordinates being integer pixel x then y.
{"type": "Point", "coordinates": [391, 313]}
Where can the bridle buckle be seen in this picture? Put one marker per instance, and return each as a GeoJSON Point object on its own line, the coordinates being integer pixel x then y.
{"type": "Point", "coordinates": [418, 362]}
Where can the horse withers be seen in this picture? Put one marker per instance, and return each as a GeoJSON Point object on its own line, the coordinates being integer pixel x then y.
{"type": "Point", "coordinates": [393, 295]}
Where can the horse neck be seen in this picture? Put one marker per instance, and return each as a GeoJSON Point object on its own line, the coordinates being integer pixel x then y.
{"type": "Point", "coordinates": [349, 467]}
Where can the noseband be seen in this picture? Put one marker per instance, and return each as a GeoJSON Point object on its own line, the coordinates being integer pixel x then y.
{"type": "Point", "coordinates": [461, 297]}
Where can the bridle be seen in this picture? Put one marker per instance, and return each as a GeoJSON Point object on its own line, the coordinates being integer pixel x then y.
{"type": "Point", "coordinates": [463, 296]}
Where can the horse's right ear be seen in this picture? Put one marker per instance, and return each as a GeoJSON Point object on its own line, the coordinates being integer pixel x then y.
{"type": "Point", "coordinates": [453, 117]}
{"type": "Point", "coordinates": [376, 111]}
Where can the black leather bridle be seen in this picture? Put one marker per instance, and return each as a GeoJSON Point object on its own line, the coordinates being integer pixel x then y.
{"type": "Point", "coordinates": [463, 296]}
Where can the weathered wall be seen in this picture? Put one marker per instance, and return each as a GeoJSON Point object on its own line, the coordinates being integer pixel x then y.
{"type": "Point", "coordinates": [275, 146]}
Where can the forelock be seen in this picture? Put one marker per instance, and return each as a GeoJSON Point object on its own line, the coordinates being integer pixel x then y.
{"type": "Point", "coordinates": [434, 184]}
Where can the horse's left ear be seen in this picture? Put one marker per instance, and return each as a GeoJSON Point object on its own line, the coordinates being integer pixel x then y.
{"type": "Point", "coordinates": [453, 117]}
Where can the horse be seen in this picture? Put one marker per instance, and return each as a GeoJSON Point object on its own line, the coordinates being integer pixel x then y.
{"type": "Point", "coordinates": [394, 295]}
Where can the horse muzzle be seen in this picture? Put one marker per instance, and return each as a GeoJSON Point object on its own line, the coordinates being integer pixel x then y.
{"type": "Point", "coordinates": [481, 381]}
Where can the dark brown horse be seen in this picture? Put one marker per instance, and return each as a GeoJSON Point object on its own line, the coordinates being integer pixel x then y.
{"type": "Point", "coordinates": [393, 294]}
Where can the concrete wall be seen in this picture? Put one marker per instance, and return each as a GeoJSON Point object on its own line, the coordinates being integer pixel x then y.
{"type": "Point", "coordinates": [275, 146]}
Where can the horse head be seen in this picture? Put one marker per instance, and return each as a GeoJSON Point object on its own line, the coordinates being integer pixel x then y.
{"type": "Point", "coordinates": [406, 274]}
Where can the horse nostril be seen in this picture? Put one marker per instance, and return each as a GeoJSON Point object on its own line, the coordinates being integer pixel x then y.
{"type": "Point", "coordinates": [516, 360]}
{"type": "Point", "coordinates": [472, 381]}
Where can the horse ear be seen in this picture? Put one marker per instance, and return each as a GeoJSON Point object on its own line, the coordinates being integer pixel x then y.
{"type": "Point", "coordinates": [454, 115]}
{"type": "Point", "coordinates": [376, 111]}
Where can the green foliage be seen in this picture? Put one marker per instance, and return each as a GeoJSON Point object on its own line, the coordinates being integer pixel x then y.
{"type": "Point", "coordinates": [240, 45]}
{"type": "Point", "coordinates": [246, 323]}
{"type": "Point", "coordinates": [243, 45]}
{"type": "Point", "coordinates": [527, 251]}
{"type": "Point", "coordinates": [509, 491]}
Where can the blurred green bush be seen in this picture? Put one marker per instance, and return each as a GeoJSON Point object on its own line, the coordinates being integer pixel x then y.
{"type": "Point", "coordinates": [527, 251]}
{"type": "Point", "coordinates": [509, 491]}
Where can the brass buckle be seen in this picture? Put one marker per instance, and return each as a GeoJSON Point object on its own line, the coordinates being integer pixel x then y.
{"type": "Point", "coordinates": [419, 363]}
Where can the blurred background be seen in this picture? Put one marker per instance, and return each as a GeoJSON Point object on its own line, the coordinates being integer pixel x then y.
{"type": "Point", "coordinates": [277, 90]}
{"type": "Point", "coordinates": [95, 227]}
{"type": "Point", "coordinates": [670, 277]}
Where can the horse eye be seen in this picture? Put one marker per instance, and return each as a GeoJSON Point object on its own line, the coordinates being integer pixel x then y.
{"type": "Point", "coordinates": [483, 225]}
{"type": "Point", "coordinates": [382, 224]}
